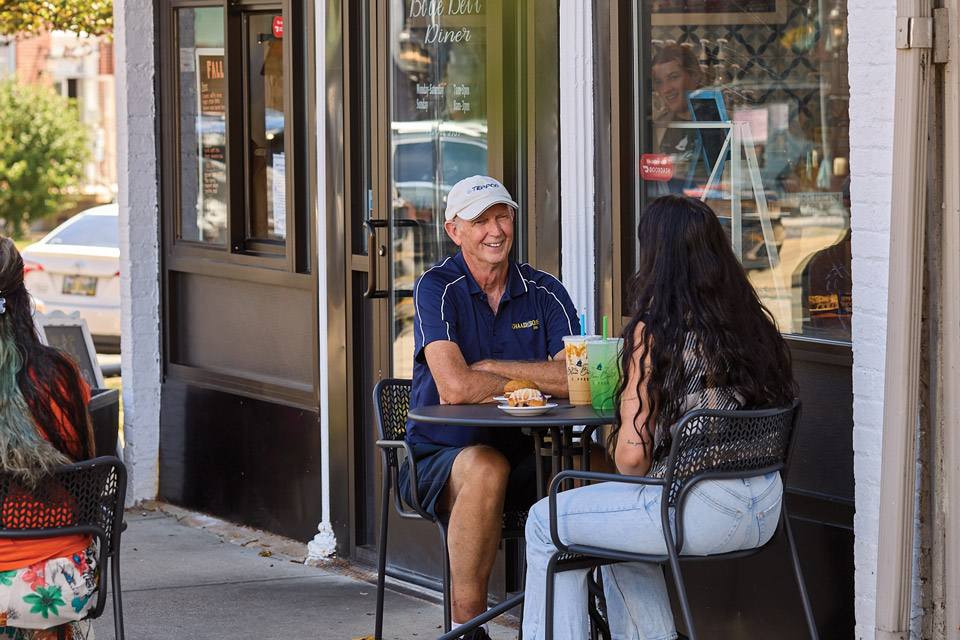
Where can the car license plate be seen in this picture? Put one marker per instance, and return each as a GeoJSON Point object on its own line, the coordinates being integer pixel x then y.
{"type": "Point", "coordinates": [80, 285]}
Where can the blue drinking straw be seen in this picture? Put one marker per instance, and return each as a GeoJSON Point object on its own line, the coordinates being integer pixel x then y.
{"type": "Point", "coordinates": [583, 324]}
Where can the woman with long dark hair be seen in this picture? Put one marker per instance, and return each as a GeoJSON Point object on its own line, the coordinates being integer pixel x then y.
{"type": "Point", "coordinates": [698, 338]}
{"type": "Point", "coordinates": [44, 423]}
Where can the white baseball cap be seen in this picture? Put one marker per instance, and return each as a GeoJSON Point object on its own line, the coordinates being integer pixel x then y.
{"type": "Point", "coordinates": [472, 196]}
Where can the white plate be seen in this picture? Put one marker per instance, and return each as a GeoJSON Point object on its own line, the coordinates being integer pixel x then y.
{"type": "Point", "coordinates": [527, 411]}
{"type": "Point", "coordinates": [503, 399]}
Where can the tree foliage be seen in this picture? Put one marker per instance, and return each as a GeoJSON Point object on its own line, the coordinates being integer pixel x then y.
{"type": "Point", "coordinates": [43, 149]}
{"type": "Point", "coordinates": [21, 17]}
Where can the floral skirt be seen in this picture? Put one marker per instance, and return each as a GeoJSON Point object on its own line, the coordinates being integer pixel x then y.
{"type": "Point", "coordinates": [37, 599]}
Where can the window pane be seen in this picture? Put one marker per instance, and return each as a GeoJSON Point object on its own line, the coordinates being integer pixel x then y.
{"type": "Point", "coordinates": [203, 145]}
{"type": "Point", "coordinates": [461, 160]}
{"type": "Point", "coordinates": [265, 157]}
{"type": "Point", "coordinates": [769, 79]}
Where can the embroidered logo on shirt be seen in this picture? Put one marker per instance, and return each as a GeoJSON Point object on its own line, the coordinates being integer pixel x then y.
{"type": "Point", "coordinates": [529, 324]}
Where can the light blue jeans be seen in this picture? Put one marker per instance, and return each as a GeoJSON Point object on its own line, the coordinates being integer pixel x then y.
{"type": "Point", "coordinates": [719, 516]}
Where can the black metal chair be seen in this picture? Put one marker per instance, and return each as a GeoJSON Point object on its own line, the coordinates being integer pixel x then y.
{"type": "Point", "coordinates": [706, 445]}
{"type": "Point", "coordinates": [391, 400]}
{"type": "Point", "coordinates": [83, 498]}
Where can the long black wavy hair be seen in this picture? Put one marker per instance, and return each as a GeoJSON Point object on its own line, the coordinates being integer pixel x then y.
{"type": "Point", "coordinates": [689, 281]}
{"type": "Point", "coordinates": [41, 397]}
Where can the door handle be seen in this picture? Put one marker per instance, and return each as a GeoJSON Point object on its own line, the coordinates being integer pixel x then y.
{"type": "Point", "coordinates": [371, 225]}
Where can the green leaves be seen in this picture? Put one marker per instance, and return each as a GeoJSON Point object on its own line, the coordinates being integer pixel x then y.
{"type": "Point", "coordinates": [94, 17]}
{"type": "Point", "coordinates": [43, 150]}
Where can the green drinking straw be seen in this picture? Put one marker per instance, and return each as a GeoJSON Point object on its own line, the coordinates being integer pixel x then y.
{"type": "Point", "coordinates": [583, 324]}
{"type": "Point", "coordinates": [604, 327]}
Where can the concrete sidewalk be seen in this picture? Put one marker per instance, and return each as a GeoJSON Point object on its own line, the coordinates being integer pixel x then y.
{"type": "Point", "coordinates": [188, 575]}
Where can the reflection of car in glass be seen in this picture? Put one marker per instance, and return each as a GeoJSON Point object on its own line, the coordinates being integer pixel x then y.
{"type": "Point", "coordinates": [76, 267]}
{"type": "Point", "coordinates": [430, 156]}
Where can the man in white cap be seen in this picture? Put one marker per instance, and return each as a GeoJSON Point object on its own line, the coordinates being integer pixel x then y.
{"type": "Point", "coordinates": [481, 320]}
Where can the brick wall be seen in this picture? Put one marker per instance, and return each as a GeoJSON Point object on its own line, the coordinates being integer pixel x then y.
{"type": "Point", "coordinates": [872, 57]}
{"type": "Point", "coordinates": [106, 58]}
{"type": "Point", "coordinates": [139, 236]}
{"type": "Point", "coordinates": [32, 58]}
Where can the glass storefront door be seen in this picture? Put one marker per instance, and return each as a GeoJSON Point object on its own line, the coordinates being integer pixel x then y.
{"type": "Point", "coordinates": [434, 105]}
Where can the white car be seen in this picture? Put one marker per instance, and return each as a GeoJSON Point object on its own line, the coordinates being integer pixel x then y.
{"type": "Point", "coordinates": [76, 267]}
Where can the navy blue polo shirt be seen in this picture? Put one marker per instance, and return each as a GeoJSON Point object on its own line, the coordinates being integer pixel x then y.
{"type": "Point", "coordinates": [534, 314]}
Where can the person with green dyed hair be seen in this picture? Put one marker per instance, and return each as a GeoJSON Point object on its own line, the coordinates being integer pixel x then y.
{"type": "Point", "coordinates": [44, 424]}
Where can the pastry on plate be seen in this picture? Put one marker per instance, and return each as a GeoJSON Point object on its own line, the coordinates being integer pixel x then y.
{"type": "Point", "coordinates": [526, 397]}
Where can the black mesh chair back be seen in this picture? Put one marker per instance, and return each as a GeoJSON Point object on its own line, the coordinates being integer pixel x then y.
{"type": "Point", "coordinates": [727, 444]}
{"type": "Point", "coordinates": [83, 498]}
{"type": "Point", "coordinates": [391, 401]}
{"type": "Point", "coordinates": [707, 444]}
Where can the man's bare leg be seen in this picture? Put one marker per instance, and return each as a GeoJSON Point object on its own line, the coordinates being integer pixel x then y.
{"type": "Point", "coordinates": [474, 498]}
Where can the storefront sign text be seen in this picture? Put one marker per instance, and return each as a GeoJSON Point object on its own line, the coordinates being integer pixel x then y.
{"type": "Point", "coordinates": [436, 34]}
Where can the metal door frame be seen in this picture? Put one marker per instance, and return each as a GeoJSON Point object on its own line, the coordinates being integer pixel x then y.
{"type": "Point", "coordinates": [533, 166]}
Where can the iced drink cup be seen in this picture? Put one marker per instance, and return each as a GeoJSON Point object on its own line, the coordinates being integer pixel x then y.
{"type": "Point", "coordinates": [578, 377]}
{"type": "Point", "coordinates": [603, 357]}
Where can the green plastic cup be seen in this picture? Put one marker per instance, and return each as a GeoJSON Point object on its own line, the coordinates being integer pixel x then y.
{"type": "Point", "coordinates": [603, 358]}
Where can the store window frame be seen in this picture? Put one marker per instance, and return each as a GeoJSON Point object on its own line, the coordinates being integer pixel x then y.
{"type": "Point", "coordinates": [241, 250]}
{"type": "Point", "coordinates": [619, 99]}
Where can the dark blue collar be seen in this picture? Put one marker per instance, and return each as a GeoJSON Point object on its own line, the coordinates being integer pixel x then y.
{"type": "Point", "coordinates": [516, 285]}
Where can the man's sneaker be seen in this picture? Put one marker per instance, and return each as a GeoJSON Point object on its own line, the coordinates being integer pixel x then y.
{"type": "Point", "coordinates": [477, 634]}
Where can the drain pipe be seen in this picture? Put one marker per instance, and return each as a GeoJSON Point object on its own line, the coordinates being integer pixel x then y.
{"type": "Point", "coordinates": [902, 371]}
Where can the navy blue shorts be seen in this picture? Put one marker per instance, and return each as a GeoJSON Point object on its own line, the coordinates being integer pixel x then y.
{"type": "Point", "coordinates": [434, 462]}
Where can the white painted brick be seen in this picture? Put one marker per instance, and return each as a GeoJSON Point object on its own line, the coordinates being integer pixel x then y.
{"type": "Point", "coordinates": [873, 205]}
{"type": "Point", "coordinates": [137, 176]}
{"type": "Point", "coordinates": [876, 109]}
{"type": "Point", "coordinates": [870, 381]}
{"type": "Point", "coordinates": [873, 300]}
{"type": "Point", "coordinates": [869, 411]}
{"type": "Point", "coordinates": [874, 162]}
{"type": "Point", "coordinates": [867, 495]}
{"type": "Point", "coordinates": [869, 385]}
{"type": "Point", "coordinates": [873, 359]}
{"type": "Point", "coordinates": [872, 54]}
{"type": "Point", "coordinates": [871, 267]}
{"type": "Point", "coordinates": [871, 244]}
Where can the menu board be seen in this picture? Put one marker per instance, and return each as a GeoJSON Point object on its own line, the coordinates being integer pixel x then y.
{"type": "Point", "coordinates": [69, 334]}
{"type": "Point", "coordinates": [211, 99]}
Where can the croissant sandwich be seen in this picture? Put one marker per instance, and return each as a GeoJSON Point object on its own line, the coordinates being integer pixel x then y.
{"type": "Point", "coordinates": [526, 398]}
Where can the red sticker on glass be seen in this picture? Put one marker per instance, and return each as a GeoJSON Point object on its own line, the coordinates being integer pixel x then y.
{"type": "Point", "coordinates": [655, 166]}
{"type": "Point", "coordinates": [278, 27]}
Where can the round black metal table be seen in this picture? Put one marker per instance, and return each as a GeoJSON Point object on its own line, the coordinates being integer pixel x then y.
{"type": "Point", "coordinates": [560, 422]}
